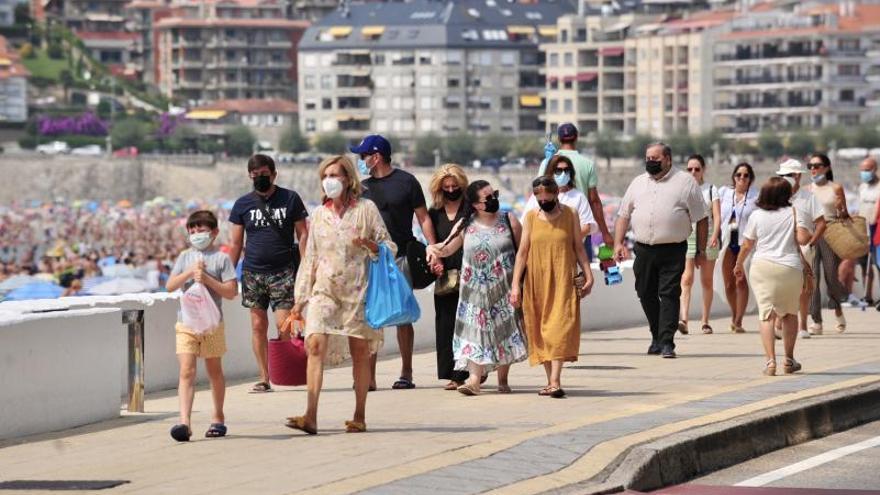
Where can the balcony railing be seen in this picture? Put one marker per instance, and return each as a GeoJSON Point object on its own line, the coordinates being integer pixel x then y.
{"type": "Point", "coordinates": [765, 80]}
{"type": "Point", "coordinates": [728, 57]}
{"type": "Point", "coordinates": [746, 105]}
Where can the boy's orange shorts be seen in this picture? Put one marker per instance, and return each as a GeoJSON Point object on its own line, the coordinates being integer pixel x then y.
{"type": "Point", "coordinates": [211, 345]}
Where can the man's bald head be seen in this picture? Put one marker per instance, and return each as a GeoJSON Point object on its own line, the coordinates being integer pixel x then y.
{"type": "Point", "coordinates": [869, 164]}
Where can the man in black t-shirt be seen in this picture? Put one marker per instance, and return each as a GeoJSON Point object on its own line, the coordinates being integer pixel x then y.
{"type": "Point", "coordinates": [398, 195]}
{"type": "Point", "coordinates": [269, 215]}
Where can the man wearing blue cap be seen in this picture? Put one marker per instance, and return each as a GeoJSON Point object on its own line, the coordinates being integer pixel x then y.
{"type": "Point", "coordinates": [398, 195]}
{"type": "Point", "coordinates": [585, 177]}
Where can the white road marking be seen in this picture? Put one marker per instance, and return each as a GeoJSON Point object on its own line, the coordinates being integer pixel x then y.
{"type": "Point", "coordinates": [831, 455]}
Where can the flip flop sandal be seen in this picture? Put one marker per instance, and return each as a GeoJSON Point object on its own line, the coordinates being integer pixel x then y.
{"type": "Point", "coordinates": [403, 384]}
{"type": "Point", "coordinates": [557, 393]}
{"type": "Point", "coordinates": [504, 389]}
{"type": "Point", "coordinates": [468, 390]}
{"type": "Point", "coordinates": [683, 327]}
{"type": "Point", "coordinates": [707, 329]}
{"type": "Point", "coordinates": [355, 427]}
{"type": "Point", "coordinates": [299, 423]}
{"type": "Point", "coordinates": [452, 385]}
{"type": "Point", "coordinates": [181, 433]}
{"type": "Point", "coordinates": [545, 392]}
{"type": "Point", "coordinates": [261, 388]}
{"type": "Point", "coordinates": [216, 430]}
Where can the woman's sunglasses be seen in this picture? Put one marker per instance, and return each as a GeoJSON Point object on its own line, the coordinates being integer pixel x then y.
{"type": "Point", "coordinates": [815, 165]}
{"type": "Point", "coordinates": [694, 169]}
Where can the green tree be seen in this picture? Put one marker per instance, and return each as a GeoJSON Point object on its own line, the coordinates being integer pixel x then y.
{"type": "Point", "coordinates": [104, 109]}
{"type": "Point", "coordinates": [770, 144]}
{"type": "Point", "coordinates": [184, 138]}
{"type": "Point", "coordinates": [528, 147]}
{"type": "Point", "coordinates": [682, 144]}
{"type": "Point", "coordinates": [67, 81]}
{"type": "Point", "coordinates": [800, 143]}
{"type": "Point", "coordinates": [637, 145]}
{"type": "Point", "coordinates": [128, 132]}
{"type": "Point", "coordinates": [461, 148]}
{"type": "Point", "coordinates": [835, 136]}
{"type": "Point", "coordinates": [744, 147]}
{"type": "Point", "coordinates": [240, 141]}
{"type": "Point", "coordinates": [293, 141]}
{"type": "Point", "coordinates": [331, 143]}
{"type": "Point", "coordinates": [867, 136]}
{"type": "Point", "coordinates": [705, 143]}
{"type": "Point", "coordinates": [494, 146]}
{"type": "Point", "coordinates": [608, 145]}
{"type": "Point", "coordinates": [425, 146]}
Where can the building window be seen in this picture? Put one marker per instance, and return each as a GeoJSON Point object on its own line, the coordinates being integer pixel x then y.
{"type": "Point", "coordinates": [847, 95]}
{"type": "Point", "coordinates": [563, 36]}
{"type": "Point", "coordinates": [379, 59]}
{"type": "Point", "coordinates": [311, 104]}
{"type": "Point", "coordinates": [326, 81]}
{"type": "Point", "coordinates": [508, 58]}
{"type": "Point", "coordinates": [310, 60]}
{"type": "Point", "coordinates": [381, 125]}
{"type": "Point", "coordinates": [452, 83]}
{"type": "Point", "coordinates": [454, 57]}
{"type": "Point", "coordinates": [568, 59]}
{"type": "Point", "coordinates": [848, 45]}
{"type": "Point", "coordinates": [310, 125]}
{"type": "Point", "coordinates": [326, 104]}
{"type": "Point", "coordinates": [425, 103]}
{"type": "Point", "coordinates": [508, 81]}
{"type": "Point", "coordinates": [426, 81]}
{"type": "Point", "coordinates": [554, 83]}
{"type": "Point", "coordinates": [426, 125]}
{"type": "Point", "coordinates": [568, 84]}
{"type": "Point", "coordinates": [581, 35]}
{"type": "Point", "coordinates": [848, 69]}
{"type": "Point", "coordinates": [309, 82]}
{"type": "Point", "coordinates": [507, 103]}
{"type": "Point", "coordinates": [381, 81]}
{"type": "Point", "coordinates": [554, 59]}
{"type": "Point", "coordinates": [554, 106]}
{"type": "Point", "coordinates": [380, 103]}
{"type": "Point", "coordinates": [568, 106]}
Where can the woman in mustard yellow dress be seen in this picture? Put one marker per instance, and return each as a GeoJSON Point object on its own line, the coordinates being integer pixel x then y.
{"type": "Point", "coordinates": [552, 249]}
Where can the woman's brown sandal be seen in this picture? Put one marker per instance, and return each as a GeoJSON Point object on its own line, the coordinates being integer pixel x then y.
{"type": "Point", "coordinates": [299, 423]}
{"type": "Point", "coordinates": [355, 427]}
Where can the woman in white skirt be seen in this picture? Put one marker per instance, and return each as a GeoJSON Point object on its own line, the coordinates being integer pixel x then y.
{"type": "Point", "coordinates": [778, 269]}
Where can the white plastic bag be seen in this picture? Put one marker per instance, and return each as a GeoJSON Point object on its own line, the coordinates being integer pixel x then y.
{"type": "Point", "coordinates": [198, 310]}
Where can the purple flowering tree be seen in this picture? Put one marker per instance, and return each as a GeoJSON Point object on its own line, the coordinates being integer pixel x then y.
{"type": "Point", "coordinates": [168, 123]}
{"type": "Point", "coordinates": [86, 124]}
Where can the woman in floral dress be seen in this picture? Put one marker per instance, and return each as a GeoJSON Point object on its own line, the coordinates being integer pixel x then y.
{"type": "Point", "coordinates": [488, 330]}
{"type": "Point", "coordinates": [331, 285]}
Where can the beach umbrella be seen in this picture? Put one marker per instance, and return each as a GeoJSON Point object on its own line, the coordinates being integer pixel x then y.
{"type": "Point", "coordinates": [124, 204]}
{"type": "Point", "coordinates": [15, 282]}
{"type": "Point", "coordinates": [119, 286]}
{"type": "Point", "coordinates": [90, 282]}
{"type": "Point", "coordinates": [35, 290]}
{"type": "Point", "coordinates": [117, 271]}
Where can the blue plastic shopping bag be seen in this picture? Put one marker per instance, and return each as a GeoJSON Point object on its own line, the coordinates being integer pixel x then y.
{"type": "Point", "coordinates": [390, 299]}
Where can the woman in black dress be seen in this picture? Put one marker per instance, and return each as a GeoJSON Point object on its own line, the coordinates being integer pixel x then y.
{"type": "Point", "coordinates": [447, 208]}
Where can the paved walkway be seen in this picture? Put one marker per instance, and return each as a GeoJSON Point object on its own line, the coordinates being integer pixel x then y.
{"type": "Point", "coordinates": [431, 441]}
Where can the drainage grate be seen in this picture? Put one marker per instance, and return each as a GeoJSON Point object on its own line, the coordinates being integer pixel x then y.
{"type": "Point", "coordinates": [60, 485]}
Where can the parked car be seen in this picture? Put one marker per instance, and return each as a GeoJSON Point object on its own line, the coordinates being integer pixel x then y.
{"type": "Point", "coordinates": [128, 151]}
{"type": "Point", "coordinates": [54, 148]}
{"type": "Point", "coordinates": [88, 150]}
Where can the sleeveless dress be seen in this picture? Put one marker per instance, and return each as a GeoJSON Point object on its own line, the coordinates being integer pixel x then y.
{"type": "Point", "coordinates": [550, 304]}
{"type": "Point", "coordinates": [488, 331]}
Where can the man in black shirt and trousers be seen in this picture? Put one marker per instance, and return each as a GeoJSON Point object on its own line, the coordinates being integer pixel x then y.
{"type": "Point", "coordinates": [398, 195]}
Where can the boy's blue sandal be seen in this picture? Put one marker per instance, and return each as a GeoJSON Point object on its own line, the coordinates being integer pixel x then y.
{"type": "Point", "coordinates": [216, 430]}
{"type": "Point", "coordinates": [181, 433]}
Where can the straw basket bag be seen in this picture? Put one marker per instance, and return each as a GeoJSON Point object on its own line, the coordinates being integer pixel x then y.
{"type": "Point", "coordinates": [848, 239]}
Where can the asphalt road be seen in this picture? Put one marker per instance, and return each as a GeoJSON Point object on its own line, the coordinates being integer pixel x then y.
{"type": "Point", "coordinates": [842, 464]}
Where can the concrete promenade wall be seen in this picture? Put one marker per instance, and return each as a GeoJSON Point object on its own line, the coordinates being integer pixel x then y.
{"type": "Point", "coordinates": [59, 370]}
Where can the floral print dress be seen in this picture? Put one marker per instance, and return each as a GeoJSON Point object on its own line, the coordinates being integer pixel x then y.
{"type": "Point", "coordinates": [488, 330]}
{"type": "Point", "coordinates": [332, 279]}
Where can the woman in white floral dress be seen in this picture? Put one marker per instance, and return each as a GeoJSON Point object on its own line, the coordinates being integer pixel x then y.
{"type": "Point", "coordinates": [331, 285]}
{"type": "Point", "coordinates": [488, 329]}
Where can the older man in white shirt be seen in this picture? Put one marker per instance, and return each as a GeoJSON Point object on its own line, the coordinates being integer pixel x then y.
{"type": "Point", "coordinates": [661, 205]}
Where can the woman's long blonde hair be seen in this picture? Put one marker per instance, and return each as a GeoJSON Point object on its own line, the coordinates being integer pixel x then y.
{"type": "Point", "coordinates": [436, 188]}
{"type": "Point", "coordinates": [354, 186]}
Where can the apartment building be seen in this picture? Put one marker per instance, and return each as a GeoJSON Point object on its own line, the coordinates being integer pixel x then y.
{"type": "Point", "coordinates": [427, 67]}
{"type": "Point", "coordinates": [7, 12]}
{"type": "Point", "coordinates": [632, 72]}
{"type": "Point", "coordinates": [232, 49]}
{"type": "Point", "coordinates": [13, 85]}
{"type": "Point", "coordinates": [267, 119]}
{"type": "Point", "coordinates": [798, 67]}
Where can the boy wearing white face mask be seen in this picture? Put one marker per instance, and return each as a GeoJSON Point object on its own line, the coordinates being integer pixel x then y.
{"type": "Point", "coordinates": [205, 264]}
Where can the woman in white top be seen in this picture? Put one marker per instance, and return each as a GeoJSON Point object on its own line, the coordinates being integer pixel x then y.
{"type": "Point", "coordinates": [696, 166]}
{"type": "Point", "coordinates": [561, 170]}
{"type": "Point", "coordinates": [778, 270]}
{"type": "Point", "coordinates": [737, 204]}
{"type": "Point", "coordinates": [833, 200]}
